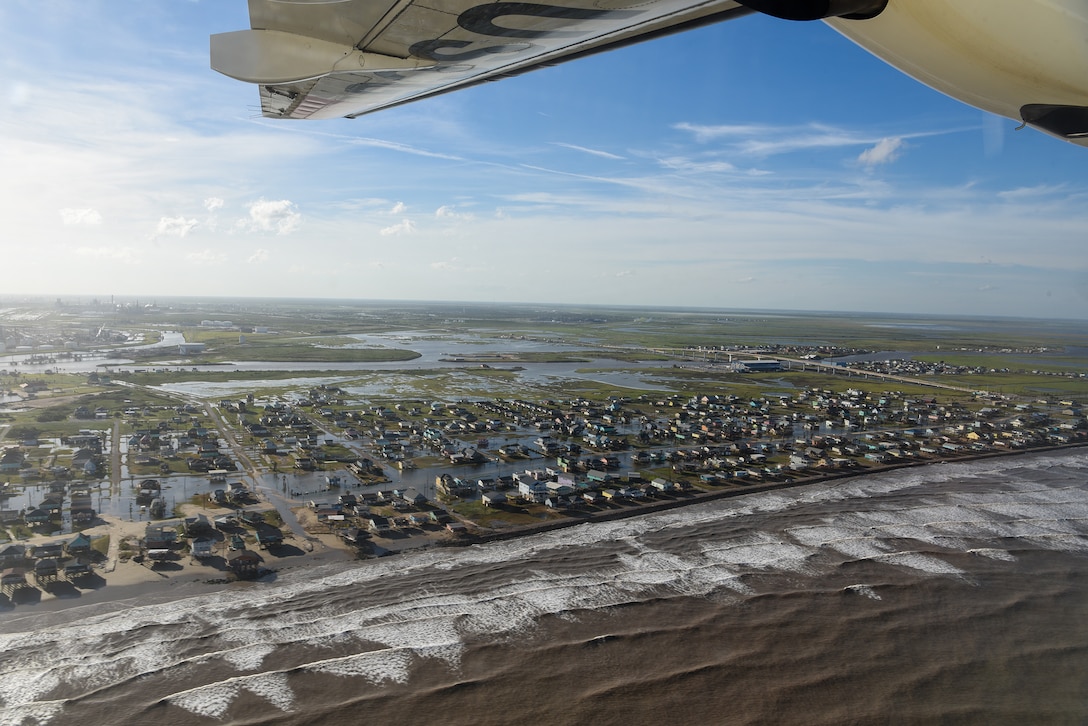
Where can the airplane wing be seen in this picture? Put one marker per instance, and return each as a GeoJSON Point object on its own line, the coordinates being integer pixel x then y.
{"type": "Point", "coordinates": [331, 58]}
{"type": "Point", "coordinates": [317, 59]}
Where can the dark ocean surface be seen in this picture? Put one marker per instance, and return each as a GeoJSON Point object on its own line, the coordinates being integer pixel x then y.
{"type": "Point", "coordinates": [954, 593]}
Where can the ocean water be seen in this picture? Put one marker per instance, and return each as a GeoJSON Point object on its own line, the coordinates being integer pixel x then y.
{"type": "Point", "coordinates": [954, 593]}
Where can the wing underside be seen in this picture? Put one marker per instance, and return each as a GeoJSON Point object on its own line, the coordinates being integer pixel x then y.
{"type": "Point", "coordinates": [332, 58]}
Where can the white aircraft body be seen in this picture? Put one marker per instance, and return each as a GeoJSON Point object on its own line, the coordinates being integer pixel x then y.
{"type": "Point", "coordinates": [1026, 60]}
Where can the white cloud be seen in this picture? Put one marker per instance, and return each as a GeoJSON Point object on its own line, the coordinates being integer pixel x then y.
{"type": "Point", "coordinates": [451, 264]}
{"type": "Point", "coordinates": [766, 140]}
{"type": "Point", "coordinates": [205, 257]}
{"type": "Point", "coordinates": [399, 208]}
{"type": "Point", "coordinates": [174, 227]}
{"type": "Point", "coordinates": [886, 151]}
{"type": "Point", "coordinates": [86, 217]}
{"type": "Point", "coordinates": [127, 255]}
{"type": "Point", "coordinates": [405, 148]}
{"type": "Point", "coordinates": [18, 94]}
{"type": "Point", "coordinates": [1032, 194]}
{"type": "Point", "coordinates": [709, 133]}
{"type": "Point", "coordinates": [448, 211]}
{"type": "Point", "coordinates": [684, 164]}
{"type": "Point", "coordinates": [405, 226]}
{"type": "Point", "coordinates": [594, 152]}
{"type": "Point", "coordinates": [278, 216]}
{"type": "Point", "coordinates": [258, 256]}
{"type": "Point", "coordinates": [213, 203]}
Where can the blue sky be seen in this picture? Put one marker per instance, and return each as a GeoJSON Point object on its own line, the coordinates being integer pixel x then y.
{"type": "Point", "coordinates": [753, 164]}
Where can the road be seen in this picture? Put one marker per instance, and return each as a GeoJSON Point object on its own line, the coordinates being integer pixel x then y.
{"type": "Point", "coordinates": [716, 356]}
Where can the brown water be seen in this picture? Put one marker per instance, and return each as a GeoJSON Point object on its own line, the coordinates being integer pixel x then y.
{"type": "Point", "coordinates": [950, 594]}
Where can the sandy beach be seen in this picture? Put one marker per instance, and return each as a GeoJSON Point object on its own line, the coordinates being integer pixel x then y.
{"type": "Point", "coordinates": [919, 591]}
{"type": "Point", "coordinates": [121, 580]}
{"type": "Point", "coordinates": [120, 577]}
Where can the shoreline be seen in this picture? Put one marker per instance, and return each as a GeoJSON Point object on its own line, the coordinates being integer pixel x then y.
{"type": "Point", "coordinates": [702, 497]}
{"type": "Point", "coordinates": [131, 584]}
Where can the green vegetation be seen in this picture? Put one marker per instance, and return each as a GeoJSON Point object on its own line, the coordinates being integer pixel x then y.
{"type": "Point", "coordinates": [18, 530]}
{"type": "Point", "coordinates": [505, 516]}
{"type": "Point", "coordinates": [101, 544]}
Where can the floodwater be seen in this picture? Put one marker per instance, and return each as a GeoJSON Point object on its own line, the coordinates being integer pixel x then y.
{"type": "Point", "coordinates": [955, 593]}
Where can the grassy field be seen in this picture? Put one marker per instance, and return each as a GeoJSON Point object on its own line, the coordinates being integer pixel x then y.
{"type": "Point", "coordinates": [311, 331]}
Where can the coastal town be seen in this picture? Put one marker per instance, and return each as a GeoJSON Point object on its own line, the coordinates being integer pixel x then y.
{"type": "Point", "coordinates": [107, 477]}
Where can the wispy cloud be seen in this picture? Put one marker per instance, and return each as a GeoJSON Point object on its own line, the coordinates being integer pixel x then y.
{"type": "Point", "coordinates": [452, 264]}
{"type": "Point", "coordinates": [86, 217]}
{"type": "Point", "coordinates": [703, 133]}
{"type": "Point", "coordinates": [114, 253]}
{"type": "Point", "coordinates": [449, 212]}
{"type": "Point", "coordinates": [585, 150]}
{"type": "Point", "coordinates": [405, 226]}
{"type": "Point", "coordinates": [403, 148]}
{"type": "Point", "coordinates": [695, 166]}
{"type": "Point", "coordinates": [175, 227]}
{"type": "Point", "coordinates": [768, 139]}
{"type": "Point", "coordinates": [205, 257]}
{"type": "Point", "coordinates": [885, 151]}
{"type": "Point", "coordinates": [1034, 193]}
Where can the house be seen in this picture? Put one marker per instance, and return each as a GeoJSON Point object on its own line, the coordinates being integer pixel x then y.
{"type": "Point", "coordinates": [491, 499]}
{"type": "Point", "coordinates": [439, 517]}
{"type": "Point", "coordinates": [598, 476]}
{"type": "Point", "coordinates": [244, 563]}
{"type": "Point", "coordinates": [11, 460]}
{"type": "Point", "coordinates": [75, 570]}
{"type": "Point", "coordinates": [13, 555]}
{"type": "Point", "coordinates": [533, 489]}
{"type": "Point", "coordinates": [353, 535]}
{"type": "Point", "coordinates": [560, 488]}
{"type": "Point", "coordinates": [379, 525]}
{"type": "Point", "coordinates": [160, 536]}
{"type": "Point", "coordinates": [412, 496]}
{"type": "Point", "coordinates": [78, 545]}
{"type": "Point", "coordinates": [202, 547]}
{"type": "Point", "coordinates": [49, 550]}
{"type": "Point", "coordinates": [37, 516]}
{"type": "Point", "coordinates": [82, 458]}
{"type": "Point", "coordinates": [13, 578]}
{"type": "Point", "coordinates": [253, 519]}
{"type": "Point", "coordinates": [662, 485]}
{"type": "Point", "coordinates": [198, 526]}
{"type": "Point", "coordinates": [268, 536]}
{"type": "Point", "coordinates": [45, 570]}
